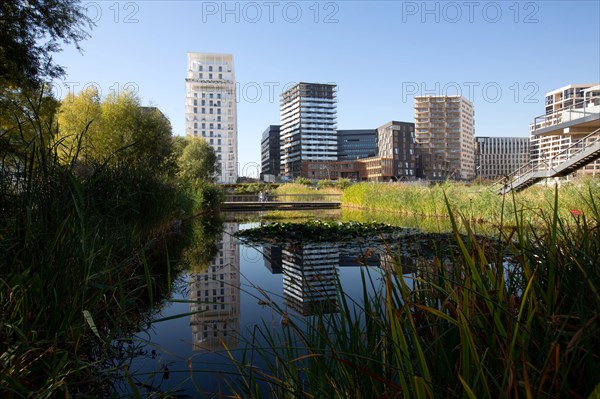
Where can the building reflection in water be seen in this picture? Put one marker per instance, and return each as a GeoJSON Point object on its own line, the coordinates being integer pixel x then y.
{"type": "Point", "coordinates": [215, 297]}
{"type": "Point", "coordinates": [310, 278]}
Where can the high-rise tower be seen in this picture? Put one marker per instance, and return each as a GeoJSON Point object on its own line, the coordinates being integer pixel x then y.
{"type": "Point", "coordinates": [445, 136]}
{"type": "Point", "coordinates": [211, 108]}
{"type": "Point", "coordinates": [308, 125]}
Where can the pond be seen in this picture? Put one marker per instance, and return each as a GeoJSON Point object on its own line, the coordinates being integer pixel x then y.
{"type": "Point", "coordinates": [217, 308]}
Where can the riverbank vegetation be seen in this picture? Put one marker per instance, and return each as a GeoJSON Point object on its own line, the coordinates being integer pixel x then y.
{"type": "Point", "coordinates": [91, 212]}
{"type": "Point", "coordinates": [467, 324]}
{"type": "Point", "coordinates": [480, 203]}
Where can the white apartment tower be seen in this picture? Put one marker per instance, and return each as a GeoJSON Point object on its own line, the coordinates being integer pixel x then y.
{"type": "Point", "coordinates": [211, 108]}
{"type": "Point", "coordinates": [572, 114]}
{"type": "Point", "coordinates": [308, 113]}
{"type": "Point", "coordinates": [445, 137]}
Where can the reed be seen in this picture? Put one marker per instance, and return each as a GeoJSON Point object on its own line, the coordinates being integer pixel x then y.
{"type": "Point", "coordinates": [476, 202]}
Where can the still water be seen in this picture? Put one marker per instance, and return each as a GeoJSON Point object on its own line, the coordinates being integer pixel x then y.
{"type": "Point", "coordinates": [244, 288]}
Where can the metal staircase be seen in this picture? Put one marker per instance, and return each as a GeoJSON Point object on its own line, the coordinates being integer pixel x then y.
{"type": "Point", "coordinates": [587, 150]}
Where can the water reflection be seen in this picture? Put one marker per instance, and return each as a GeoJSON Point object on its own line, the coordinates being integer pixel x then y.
{"type": "Point", "coordinates": [309, 278]}
{"type": "Point", "coordinates": [215, 296]}
{"type": "Point", "coordinates": [219, 301]}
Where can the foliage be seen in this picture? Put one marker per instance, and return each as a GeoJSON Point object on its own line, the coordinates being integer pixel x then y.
{"type": "Point", "coordinates": [303, 181]}
{"type": "Point", "coordinates": [250, 188]}
{"type": "Point", "coordinates": [30, 32]}
{"type": "Point", "coordinates": [115, 132]}
{"type": "Point", "coordinates": [82, 260]}
{"type": "Point", "coordinates": [198, 162]}
{"type": "Point", "coordinates": [342, 183]}
{"type": "Point", "coordinates": [325, 183]}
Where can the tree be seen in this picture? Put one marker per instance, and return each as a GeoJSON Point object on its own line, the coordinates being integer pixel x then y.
{"type": "Point", "coordinates": [30, 32]}
{"type": "Point", "coordinates": [198, 162]}
{"type": "Point", "coordinates": [79, 119]}
{"type": "Point", "coordinates": [117, 131]}
{"type": "Point", "coordinates": [27, 120]}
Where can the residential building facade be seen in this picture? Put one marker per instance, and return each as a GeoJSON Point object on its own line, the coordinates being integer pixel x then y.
{"type": "Point", "coordinates": [356, 144]}
{"type": "Point", "coordinates": [308, 114]}
{"type": "Point", "coordinates": [270, 154]}
{"type": "Point", "coordinates": [500, 156]}
{"type": "Point", "coordinates": [572, 114]}
{"type": "Point", "coordinates": [211, 108]}
{"type": "Point", "coordinates": [396, 141]}
{"type": "Point", "coordinates": [445, 136]}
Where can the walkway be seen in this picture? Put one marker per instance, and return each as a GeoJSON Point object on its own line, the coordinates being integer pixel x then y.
{"type": "Point", "coordinates": [250, 203]}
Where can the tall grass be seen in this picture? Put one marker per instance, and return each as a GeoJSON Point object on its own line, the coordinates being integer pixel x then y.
{"type": "Point", "coordinates": [469, 324]}
{"type": "Point", "coordinates": [477, 202]}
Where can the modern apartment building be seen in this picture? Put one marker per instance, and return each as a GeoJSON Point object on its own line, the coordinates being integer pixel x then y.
{"type": "Point", "coordinates": [445, 136]}
{"type": "Point", "coordinates": [396, 141]}
{"type": "Point", "coordinates": [500, 156]}
{"type": "Point", "coordinates": [308, 114]}
{"type": "Point", "coordinates": [572, 113]}
{"type": "Point", "coordinates": [270, 153]}
{"type": "Point", "coordinates": [211, 107]}
{"type": "Point", "coordinates": [394, 157]}
{"type": "Point", "coordinates": [356, 144]}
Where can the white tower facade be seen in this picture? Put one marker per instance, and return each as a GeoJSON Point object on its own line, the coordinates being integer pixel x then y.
{"type": "Point", "coordinates": [211, 108]}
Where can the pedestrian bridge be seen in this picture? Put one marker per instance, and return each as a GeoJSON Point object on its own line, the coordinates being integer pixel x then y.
{"type": "Point", "coordinates": [288, 202]}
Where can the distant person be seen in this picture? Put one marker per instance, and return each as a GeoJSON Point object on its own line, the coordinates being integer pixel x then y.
{"type": "Point", "coordinates": [260, 196]}
{"type": "Point", "coordinates": [267, 196]}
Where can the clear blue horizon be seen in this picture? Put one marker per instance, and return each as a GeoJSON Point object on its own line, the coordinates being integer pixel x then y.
{"type": "Point", "coordinates": [503, 56]}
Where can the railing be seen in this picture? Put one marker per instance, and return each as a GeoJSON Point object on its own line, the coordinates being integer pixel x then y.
{"type": "Point", "coordinates": [568, 114]}
{"type": "Point", "coordinates": [531, 166]}
{"type": "Point", "coordinates": [284, 197]}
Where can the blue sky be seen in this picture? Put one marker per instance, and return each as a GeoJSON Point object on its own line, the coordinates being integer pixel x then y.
{"type": "Point", "coordinates": [502, 55]}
